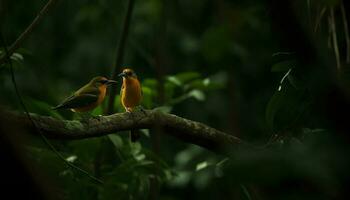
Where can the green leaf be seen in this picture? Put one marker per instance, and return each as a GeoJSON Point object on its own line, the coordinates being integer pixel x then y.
{"type": "Point", "coordinates": [116, 140]}
{"type": "Point", "coordinates": [71, 158]}
{"type": "Point", "coordinates": [117, 104]}
{"type": "Point", "coordinates": [150, 82]}
{"type": "Point", "coordinates": [201, 165]}
{"type": "Point", "coordinates": [197, 94]}
{"type": "Point", "coordinates": [97, 111]}
{"type": "Point", "coordinates": [41, 107]}
{"type": "Point", "coordinates": [147, 99]}
{"type": "Point", "coordinates": [165, 109]}
{"type": "Point", "coordinates": [174, 80]}
{"type": "Point", "coordinates": [17, 57]}
{"type": "Point", "coordinates": [181, 179]}
{"type": "Point", "coordinates": [185, 77]}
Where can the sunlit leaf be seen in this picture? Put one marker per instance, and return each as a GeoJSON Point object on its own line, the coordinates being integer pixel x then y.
{"type": "Point", "coordinates": [201, 165]}
{"type": "Point", "coordinates": [174, 80]}
{"type": "Point", "coordinates": [197, 94]}
{"type": "Point", "coordinates": [71, 158]}
{"type": "Point", "coordinates": [16, 57]}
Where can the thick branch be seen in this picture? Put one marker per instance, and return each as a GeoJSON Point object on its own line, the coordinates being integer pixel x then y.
{"type": "Point", "coordinates": [183, 129]}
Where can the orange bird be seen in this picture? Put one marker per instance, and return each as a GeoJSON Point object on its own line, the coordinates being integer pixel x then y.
{"type": "Point", "coordinates": [88, 97]}
{"type": "Point", "coordinates": [131, 92]}
{"type": "Point", "coordinates": [130, 95]}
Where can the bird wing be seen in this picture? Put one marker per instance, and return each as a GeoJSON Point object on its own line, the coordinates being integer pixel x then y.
{"type": "Point", "coordinates": [76, 101]}
{"type": "Point", "coordinates": [87, 89]}
{"type": "Point", "coordinates": [81, 98]}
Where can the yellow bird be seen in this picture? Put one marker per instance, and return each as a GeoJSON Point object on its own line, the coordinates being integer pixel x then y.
{"type": "Point", "coordinates": [131, 92]}
{"type": "Point", "coordinates": [130, 95]}
{"type": "Point", "coordinates": [88, 97]}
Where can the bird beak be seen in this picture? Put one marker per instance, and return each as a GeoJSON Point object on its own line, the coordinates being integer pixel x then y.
{"type": "Point", "coordinates": [122, 74]}
{"type": "Point", "coordinates": [110, 82]}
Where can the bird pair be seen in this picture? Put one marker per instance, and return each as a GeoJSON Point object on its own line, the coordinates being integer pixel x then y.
{"type": "Point", "coordinates": [92, 94]}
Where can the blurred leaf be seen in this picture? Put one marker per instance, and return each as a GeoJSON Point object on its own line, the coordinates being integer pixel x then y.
{"type": "Point", "coordinates": [117, 104]}
{"type": "Point", "coordinates": [17, 57]}
{"type": "Point", "coordinates": [203, 84]}
{"type": "Point", "coordinates": [145, 132]}
{"type": "Point", "coordinates": [147, 99]}
{"type": "Point", "coordinates": [150, 83]}
{"type": "Point", "coordinates": [41, 107]}
{"type": "Point", "coordinates": [174, 80]}
{"type": "Point", "coordinates": [165, 109]}
{"type": "Point", "coordinates": [222, 162]}
{"type": "Point", "coordinates": [185, 77]}
{"type": "Point", "coordinates": [71, 158]}
{"type": "Point", "coordinates": [201, 165]}
{"type": "Point", "coordinates": [181, 179]}
{"type": "Point", "coordinates": [169, 90]}
{"type": "Point", "coordinates": [246, 192]}
{"type": "Point", "coordinates": [116, 140]}
{"type": "Point", "coordinates": [97, 111]}
{"type": "Point", "coordinates": [142, 157]}
{"type": "Point", "coordinates": [197, 94]}
{"type": "Point", "coordinates": [135, 148]}
{"type": "Point", "coordinates": [184, 157]}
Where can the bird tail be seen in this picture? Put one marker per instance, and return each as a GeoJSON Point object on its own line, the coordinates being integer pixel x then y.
{"type": "Point", "coordinates": [134, 135]}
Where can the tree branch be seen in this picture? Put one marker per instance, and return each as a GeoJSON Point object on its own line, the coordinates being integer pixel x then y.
{"type": "Point", "coordinates": [181, 128]}
{"type": "Point", "coordinates": [29, 29]}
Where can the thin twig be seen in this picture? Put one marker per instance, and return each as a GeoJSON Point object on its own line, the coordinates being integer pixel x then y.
{"type": "Point", "coordinates": [334, 38]}
{"type": "Point", "coordinates": [309, 11]}
{"type": "Point", "coordinates": [319, 18]}
{"type": "Point", "coordinates": [120, 54]}
{"type": "Point", "coordinates": [346, 31]}
{"type": "Point", "coordinates": [29, 29]}
{"type": "Point", "coordinates": [8, 59]}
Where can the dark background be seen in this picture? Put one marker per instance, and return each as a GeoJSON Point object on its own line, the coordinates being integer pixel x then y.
{"type": "Point", "coordinates": [264, 71]}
